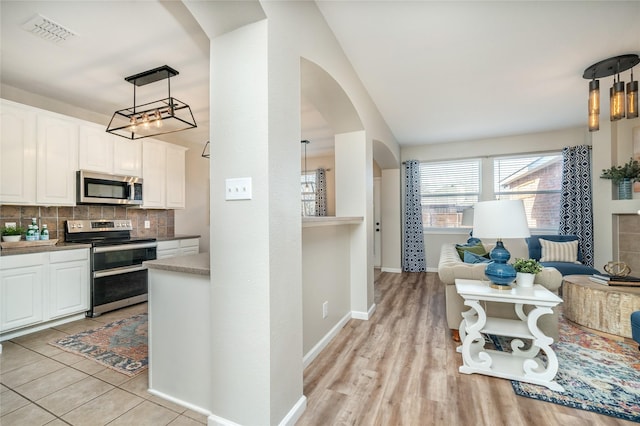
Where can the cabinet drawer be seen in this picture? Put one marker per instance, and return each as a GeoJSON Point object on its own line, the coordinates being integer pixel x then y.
{"type": "Point", "coordinates": [23, 260]}
{"type": "Point", "coordinates": [68, 255]}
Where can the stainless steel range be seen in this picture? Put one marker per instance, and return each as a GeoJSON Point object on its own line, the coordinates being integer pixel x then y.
{"type": "Point", "coordinates": [118, 277]}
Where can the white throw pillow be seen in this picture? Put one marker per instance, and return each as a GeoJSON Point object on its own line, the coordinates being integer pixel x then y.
{"type": "Point", "coordinates": [552, 251]}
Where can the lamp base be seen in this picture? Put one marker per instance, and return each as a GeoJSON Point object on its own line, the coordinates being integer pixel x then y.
{"type": "Point", "coordinates": [499, 272]}
{"type": "Point", "coordinates": [501, 286]}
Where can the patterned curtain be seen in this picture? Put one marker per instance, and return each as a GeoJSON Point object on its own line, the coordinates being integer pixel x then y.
{"type": "Point", "coordinates": [321, 193]}
{"type": "Point", "coordinates": [576, 210]}
{"type": "Point", "coordinates": [413, 256]}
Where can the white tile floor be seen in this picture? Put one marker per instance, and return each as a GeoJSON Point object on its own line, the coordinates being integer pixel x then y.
{"type": "Point", "coordinates": [43, 385]}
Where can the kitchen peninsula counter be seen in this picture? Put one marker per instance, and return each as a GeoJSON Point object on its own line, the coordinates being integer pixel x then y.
{"type": "Point", "coordinates": [179, 328]}
{"type": "Point", "coordinates": [193, 264]}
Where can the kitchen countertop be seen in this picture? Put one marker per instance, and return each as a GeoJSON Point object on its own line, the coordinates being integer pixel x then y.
{"type": "Point", "coordinates": [178, 237]}
{"type": "Point", "coordinates": [191, 264]}
{"type": "Point", "coordinates": [43, 249]}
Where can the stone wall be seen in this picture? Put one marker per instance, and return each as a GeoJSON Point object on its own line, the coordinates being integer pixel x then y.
{"type": "Point", "coordinates": [161, 221]}
{"type": "Point", "coordinates": [629, 241]}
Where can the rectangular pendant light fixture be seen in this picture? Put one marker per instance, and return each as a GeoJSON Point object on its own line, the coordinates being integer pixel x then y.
{"type": "Point", "coordinates": [632, 97]}
{"type": "Point", "coordinates": [155, 118]}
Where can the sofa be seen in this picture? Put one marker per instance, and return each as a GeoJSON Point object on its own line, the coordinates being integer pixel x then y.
{"type": "Point", "coordinates": [575, 267]}
{"type": "Point", "coordinates": [451, 266]}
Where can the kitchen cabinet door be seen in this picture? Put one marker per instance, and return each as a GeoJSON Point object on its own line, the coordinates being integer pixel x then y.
{"type": "Point", "coordinates": [127, 157]}
{"type": "Point", "coordinates": [95, 149]}
{"type": "Point", "coordinates": [57, 160]}
{"type": "Point", "coordinates": [68, 283]}
{"type": "Point", "coordinates": [17, 154]}
{"type": "Point", "coordinates": [21, 291]}
{"type": "Point", "coordinates": [175, 177]}
{"type": "Point", "coordinates": [154, 161]}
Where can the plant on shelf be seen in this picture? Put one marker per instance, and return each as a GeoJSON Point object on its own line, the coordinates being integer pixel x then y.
{"type": "Point", "coordinates": [12, 230]}
{"type": "Point", "coordinates": [617, 174]}
{"type": "Point", "coordinates": [527, 266]}
{"type": "Point", "coordinates": [12, 233]}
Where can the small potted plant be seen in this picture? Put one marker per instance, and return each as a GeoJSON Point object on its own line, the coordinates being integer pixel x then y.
{"type": "Point", "coordinates": [526, 270]}
{"type": "Point", "coordinates": [623, 176]}
{"type": "Point", "coordinates": [12, 233]}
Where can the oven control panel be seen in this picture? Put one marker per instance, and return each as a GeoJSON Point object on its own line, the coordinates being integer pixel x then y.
{"type": "Point", "coordinates": [98, 225]}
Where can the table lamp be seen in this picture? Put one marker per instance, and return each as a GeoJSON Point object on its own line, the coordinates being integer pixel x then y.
{"type": "Point", "coordinates": [500, 219]}
{"type": "Point", "coordinates": [467, 221]}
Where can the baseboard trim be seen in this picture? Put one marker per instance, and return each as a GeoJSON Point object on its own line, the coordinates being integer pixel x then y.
{"type": "Point", "coordinates": [41, 326]}
{"type": "Point", "coordinates": [392, 270]}
{"type": "Point", "coordinates": [295, 413]}
{"type": "Point", "coordinates": [289, 420]}
{"type": "Point", "coordinates": [364, 315]}
{"type": "Point", "coordinates": [432, 269]}
{"type": "Point", "coordinates": [180, 402]}
{"type": "Point", "coordinates": [315, 351]}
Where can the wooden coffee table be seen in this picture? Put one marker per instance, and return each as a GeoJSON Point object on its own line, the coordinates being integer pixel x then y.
{"type": "Point", "coordinates": [599, 307]}
{"type": "Point", "coordinates": [522, 363]}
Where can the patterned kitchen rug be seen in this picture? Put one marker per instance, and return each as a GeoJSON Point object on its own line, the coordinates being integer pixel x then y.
{"type": "Point", "coordinates": [598, 374]}
{"type": "Point", "coordinates": [120, 345]}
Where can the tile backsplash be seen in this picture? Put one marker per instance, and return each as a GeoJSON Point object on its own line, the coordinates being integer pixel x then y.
{"type": "Point", "coordinates": [629, 241]}
{"type": "Point", "coordinates": [162, 221]}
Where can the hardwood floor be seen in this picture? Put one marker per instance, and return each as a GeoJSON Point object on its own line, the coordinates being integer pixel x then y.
{"type": "Point", "coordinates": [401, 368]}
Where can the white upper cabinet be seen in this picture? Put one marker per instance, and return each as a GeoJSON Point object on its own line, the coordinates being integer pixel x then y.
{"type": "Point", "coordinates": [57, 160]}
{"type": "Point", "coordinates": [163, 174]}
{"type": "Point", "coordinates": [95, 149]}
{"type": "Point", "coordinates": [154, 161]}
{"type": "Point", "coordinates": [127, 157]}
{"type": "Point", "coordinates": [103, 152]}
{"type": "Point", "coordinates": [175, 176]}
{"type": "Point", "coordinates": [17, 154]}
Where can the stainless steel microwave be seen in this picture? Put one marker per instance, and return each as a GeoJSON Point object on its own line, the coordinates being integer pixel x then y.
{"type": "Point", "coordinates": [99, 188]}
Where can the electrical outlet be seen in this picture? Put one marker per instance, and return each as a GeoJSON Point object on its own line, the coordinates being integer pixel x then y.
{"type": "Point", "coordinates": [238, 189]}
{"type": "Point", "coordinates": [325, 309]}
{"type": "Point", "coordinates": [147, 224]}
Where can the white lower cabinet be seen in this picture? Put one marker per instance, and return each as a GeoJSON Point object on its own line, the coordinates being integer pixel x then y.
{"type": "Point", "coordinates": [21, 290]}
{"type": "Point", "coordinates": [179, 247]}
{"type": "Point", "coordinates": [41, 287]}
{"type": "Point", "coordinates": [68, 283]}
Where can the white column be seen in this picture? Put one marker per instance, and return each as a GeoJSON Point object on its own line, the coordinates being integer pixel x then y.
{"type": "Point", "coordinates": [354, 197]}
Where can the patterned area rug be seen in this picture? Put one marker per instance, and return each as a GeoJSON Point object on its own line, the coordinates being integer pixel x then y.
{"type": "Point", "coordinates": [120, 345]}
{"type": "Point", "coordinates": [598, 374]}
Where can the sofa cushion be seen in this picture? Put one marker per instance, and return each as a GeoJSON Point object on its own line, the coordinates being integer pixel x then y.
{"type": "Point", "coordinates": [473, 248]}
{"type": "Point", "coordinates": [535, 249]}
{"type": "Point", "coordinates": [569, 268]}
{"type": "Point", "coordinates": [553, 251]}
{"type": "Point", "coordinates": [470, 257]}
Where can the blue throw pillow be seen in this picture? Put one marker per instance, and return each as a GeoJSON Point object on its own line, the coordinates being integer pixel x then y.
{"type": "Point", "coordinates": [470, 257]}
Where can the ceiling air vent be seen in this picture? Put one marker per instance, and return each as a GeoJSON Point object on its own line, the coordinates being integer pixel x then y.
{"type": "Point", "coordinates": [47, 29]}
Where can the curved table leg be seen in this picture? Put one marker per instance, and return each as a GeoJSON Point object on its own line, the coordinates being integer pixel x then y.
{"type": "Point", "coordinates": [473, 341]}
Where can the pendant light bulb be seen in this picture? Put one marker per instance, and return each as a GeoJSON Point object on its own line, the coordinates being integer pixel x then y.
{"type": "Point", "coordinates": [618, 100]}
{"type": "Point", "coordinates": [594, 105]}
{"type": "Point", "coordinates": [632, 97]}
{"type": "Point", "coordinates": [133, 124]}
{"type": "Point", "coordinates": [145, 120]}
{"type": "Point", "coordinates": [158, 118]}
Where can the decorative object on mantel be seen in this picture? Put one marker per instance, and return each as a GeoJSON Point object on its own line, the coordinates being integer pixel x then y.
{"type": "Point", "coordinates": [608, 67]}
{"type": "Point", "coordinates": [500, 219]}
{"type": "Point", "coordinates": [623, 176]}
{"type": "Point", "coordinates": [166, 115]}
{"type": "Point", "coordinates": [526, 270]}
{"type": "Point", "coordinates": [617, 269]}
{"type": "Point", "coordinates": [206, 152]}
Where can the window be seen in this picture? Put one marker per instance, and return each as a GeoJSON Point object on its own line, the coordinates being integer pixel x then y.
{"type": "Point", "coordinates": [537, 181]}
{"type": "Point", "coordinates": [447, 188]}
{"type": "Point", "coordinates": [308, 191]}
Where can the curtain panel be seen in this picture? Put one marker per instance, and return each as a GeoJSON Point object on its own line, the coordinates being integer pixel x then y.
{"type": "Point", "coordinates": [413, 253]}
{"type": "Point", "coordinates": [576, 206]}
{"type": "Point", "coordinates": [321, 192]}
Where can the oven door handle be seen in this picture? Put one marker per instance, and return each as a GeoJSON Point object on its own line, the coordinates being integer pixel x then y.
{"type": "Point", "coordinates": [118, 271]}
{"type": "Point", "coordinates": [124, 247]}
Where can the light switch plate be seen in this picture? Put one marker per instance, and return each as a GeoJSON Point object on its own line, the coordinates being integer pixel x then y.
{"type": "Point", "coordinates": [238, 188]}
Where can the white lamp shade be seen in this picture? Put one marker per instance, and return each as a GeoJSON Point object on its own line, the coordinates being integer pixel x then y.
{"type": "Point", "coordinates": [500, 219]}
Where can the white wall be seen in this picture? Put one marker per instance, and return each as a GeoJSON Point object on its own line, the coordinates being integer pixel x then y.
{"type": "Point", "coordinates": [391, 221]}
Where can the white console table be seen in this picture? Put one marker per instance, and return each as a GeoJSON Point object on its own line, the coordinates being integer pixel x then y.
{"type": "Point", "coordinates": [520, 364]}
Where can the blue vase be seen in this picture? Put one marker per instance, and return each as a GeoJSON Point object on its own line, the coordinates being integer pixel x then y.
{"type": "Point", "coordinates": [624, 189]}
{"type": "Point", "coordinates": [499, 272]}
